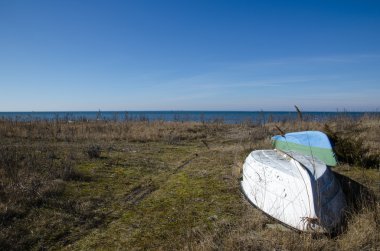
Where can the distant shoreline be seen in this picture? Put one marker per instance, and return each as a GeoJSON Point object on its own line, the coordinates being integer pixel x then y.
{"type": "Point", "coordinates": [229, 117]}
{"type": "Point", "coordinates": [377, 110]}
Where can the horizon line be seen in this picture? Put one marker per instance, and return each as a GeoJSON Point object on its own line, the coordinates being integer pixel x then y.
{"type": "Point", "coordinates": [261, 110]}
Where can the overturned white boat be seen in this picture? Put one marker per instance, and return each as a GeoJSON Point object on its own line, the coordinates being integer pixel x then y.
{"type": "Point", "coordinates": [295, 187]}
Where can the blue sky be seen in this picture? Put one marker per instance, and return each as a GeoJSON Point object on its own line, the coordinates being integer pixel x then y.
{"type": "Point", "coordinates": [189, 55]}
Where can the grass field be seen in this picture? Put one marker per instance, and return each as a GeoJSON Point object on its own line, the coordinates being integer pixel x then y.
{"type": "Point", "coordinates": [162, 185]}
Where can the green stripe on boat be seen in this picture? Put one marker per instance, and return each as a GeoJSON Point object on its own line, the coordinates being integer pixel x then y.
{"type": "Point", "coordinates": [323, 154]}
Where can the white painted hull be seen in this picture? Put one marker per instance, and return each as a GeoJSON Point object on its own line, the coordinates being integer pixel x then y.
{"type": "Point", "coordinates": [289, 191]}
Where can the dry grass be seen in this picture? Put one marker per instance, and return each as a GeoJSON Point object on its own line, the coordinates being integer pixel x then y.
{"type": "Point", "coordinates": [163, 185]}
{"type": "Point", "coordinates": [135, 131]}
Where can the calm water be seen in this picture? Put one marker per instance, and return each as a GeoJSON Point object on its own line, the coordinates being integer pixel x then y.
{"type": "Point", "coordinates": [200, 116]}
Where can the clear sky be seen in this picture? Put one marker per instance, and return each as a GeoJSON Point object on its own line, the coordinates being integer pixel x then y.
{"type": "Point", "coordinates": [189, 55]}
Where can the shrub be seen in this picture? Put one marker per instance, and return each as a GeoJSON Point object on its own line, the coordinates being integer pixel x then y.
{"type": "Point", "coordinates": [351, 150]}
{"type": "Point", "coordinates": [94, 151]}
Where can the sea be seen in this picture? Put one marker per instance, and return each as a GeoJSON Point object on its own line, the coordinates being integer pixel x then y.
{"type": "Point", "coordinates": [229, 117]}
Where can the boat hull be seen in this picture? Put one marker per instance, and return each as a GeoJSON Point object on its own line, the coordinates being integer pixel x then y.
{"type": "Point", "coordinates": [288, 190]}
